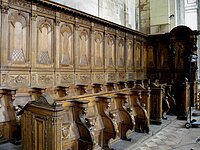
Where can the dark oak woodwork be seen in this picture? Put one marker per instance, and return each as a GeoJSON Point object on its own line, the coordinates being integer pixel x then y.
{"type": "Point", "coordinates": [156, 103]}
{"type": "Point", "coordinates": [140, 113]}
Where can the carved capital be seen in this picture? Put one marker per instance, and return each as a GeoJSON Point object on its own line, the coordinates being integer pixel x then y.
{"type": "Point", "coordinates": [4, 8]}
{"type": "Point", "coordinates": [34, 16]}
{"type": "Point", "coordinates": [57, 21]}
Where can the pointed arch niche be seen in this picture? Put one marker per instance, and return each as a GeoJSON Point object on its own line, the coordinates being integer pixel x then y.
{"type": "Point", "coordinates": [66, 45]}
{"type": "Point", "coordinates": [98, 49]}
{"type": "Point", "coordinates": [110, 51]}
{"type": "Point", "coordinates": [18, 37]}
{"type": "Point", "coordinates": [84, 48]}
{"type": "Point", "coordinates": [129, 56]}
{"type": "Point", "coordinates": [44, 49]}
{"type": "Point", "coordinates": [138, 56]}
{"type": "Point", "coordinates": [120, 53]}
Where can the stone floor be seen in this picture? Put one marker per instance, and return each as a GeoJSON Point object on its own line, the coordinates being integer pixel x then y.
{"type": "Point", "coordinates": [171, 135]}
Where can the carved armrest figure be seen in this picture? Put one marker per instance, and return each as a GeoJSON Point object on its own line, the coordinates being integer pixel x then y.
{"type": "Point", "coordinates": [80, 89]}
{"type": "Point", "coordinates": [85, 141]}
{"type": "Point", "coordinates": [121, 85]}
{"type": "Point", "coordinates": [110, 86]}
{"type": "Point", "coordinates": [141, 116]}
{"type": "Point", "coordinates": [108, 130]}
{"type": "Point", "coordinates": [125, 122]}
{"type": "Point", "coordinates": [96, 87]}
{"type": "Point", "coordinates": [61, 91]}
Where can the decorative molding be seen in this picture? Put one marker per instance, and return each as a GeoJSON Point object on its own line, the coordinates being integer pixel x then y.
{"type": "Point", "coordinates": [67, 17]}
{"type": "Point", "coordinates": [20, 3]}
{"type": "Point", "coordinates": [18, 80]}
{"type": "Point", "coordinates": [45, 79]}
{"type": "Point", "coordinates": [45, 10]}
{"type": "Point", "coordinates": [4, 8]}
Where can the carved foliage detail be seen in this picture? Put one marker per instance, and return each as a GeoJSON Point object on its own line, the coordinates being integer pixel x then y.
{"type": "Point", "coordinates": [18, 80]}
{"type": "Point", "coordinates": [45, 79]}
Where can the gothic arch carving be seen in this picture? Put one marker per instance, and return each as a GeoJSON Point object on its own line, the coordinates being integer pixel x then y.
{"type": "Point", "coordinates": [66, 45]}
{"type": "Point", "coordinates": [120, 53]}
{"type": "Point", "coordinates": [110, 51]}
{"type": "Point", "coordinates": [138, 55]}
{"type": "Point", "coordinates": [18, 35]}
{"type": "Point", "coordinates": [129, 53]}
{"type": "Point", "coordinates": [44, 49]}
{"type": "Point", "coordinates": [144, 57]}
{"type": "Point", "coordinates": [150, 57]}
{"type": "Point", "coordinates": [98, 52]}
{"type": "Point", "coordinates": [84, 47]}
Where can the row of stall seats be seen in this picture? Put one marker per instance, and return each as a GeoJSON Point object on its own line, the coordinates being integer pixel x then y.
{"type": "Point", "coordinates": [90, 120]}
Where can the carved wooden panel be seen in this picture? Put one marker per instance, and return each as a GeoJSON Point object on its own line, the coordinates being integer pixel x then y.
{"type": "Point", "coordinates": [18, 38]}
{"type": "Point", "coordinates": [98, 77]}
{"type": "Point", "coordinates": [129, 54]}
{"type": "Point", "coordinates": [120, 53]}
{"type": "Point", "coordinates": [150, 57]}
{"type": "Point", "coordinates": [20, 79]}
{"type": "Point", "coordinates": [83, 50]}
{"type": "Point", "coordinates": [138, 56]}
{"type": "Point", "coordinates": [42, 79]}
{"type": "Point", "coordinates": [66, 45]}
{"type": "Point", "coordinates": [98, 50]}
{"type": "Point", "coordinates": [83, 78]}
{"type": "Point", "coordinates": [64, 78]}
{"type": "Point", "coordinates": [110, 52]}
{"type": "Point", "coordinates": [44, 42]}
